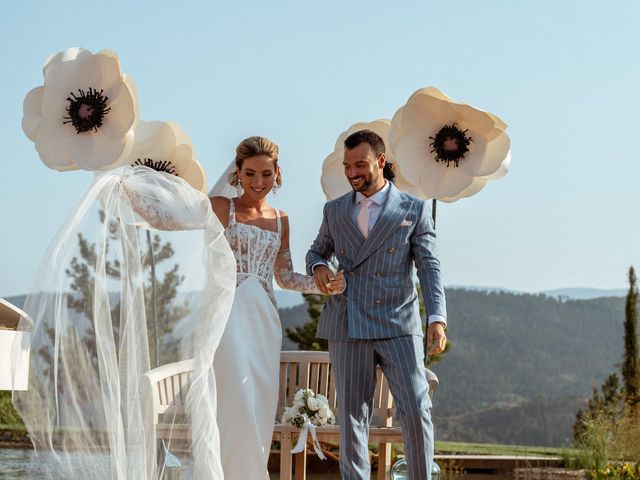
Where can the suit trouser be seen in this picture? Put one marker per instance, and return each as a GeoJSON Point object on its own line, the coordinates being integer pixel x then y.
{"type": "Point", "coordinates": [402, 361]}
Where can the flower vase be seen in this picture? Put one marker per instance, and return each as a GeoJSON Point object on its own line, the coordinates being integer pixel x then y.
{"type": "Point", "coordinates": [400, 470]}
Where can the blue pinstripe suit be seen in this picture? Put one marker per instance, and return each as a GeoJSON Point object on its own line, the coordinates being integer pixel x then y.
{"type": "Point", "coordinates": [377, 321]}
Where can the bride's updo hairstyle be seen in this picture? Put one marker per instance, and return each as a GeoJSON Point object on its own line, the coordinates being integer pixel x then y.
{"type": "Point", "coordinates": [251, 147]}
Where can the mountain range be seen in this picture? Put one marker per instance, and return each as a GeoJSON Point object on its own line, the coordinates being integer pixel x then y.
{"type": "Point", "coordinates": [519, 366]}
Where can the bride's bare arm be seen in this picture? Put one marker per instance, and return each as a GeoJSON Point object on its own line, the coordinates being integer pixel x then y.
{"type": "Point", "coordinates": [220, 206]}
{"type": "Point", "coordinates": [287, 278]}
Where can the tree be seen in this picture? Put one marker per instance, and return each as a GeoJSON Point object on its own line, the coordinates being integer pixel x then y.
{"type": "Point", "coordinates": [164, 292]}
{"type": "Point", "coordinates": [305, 335]}
{"type": "Point", "coordinates": [630, 363]}
{"type": "Point", "coordinates": [600, 404]}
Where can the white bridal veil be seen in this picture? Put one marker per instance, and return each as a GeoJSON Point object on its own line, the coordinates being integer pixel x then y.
{"type": "Point", "coordinates": [139, 276]}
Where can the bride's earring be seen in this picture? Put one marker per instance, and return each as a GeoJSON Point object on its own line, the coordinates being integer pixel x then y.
{"type": "Point", "coordinates": [239, 188]}
{"type": "Point", "coordinates": [276, 184]}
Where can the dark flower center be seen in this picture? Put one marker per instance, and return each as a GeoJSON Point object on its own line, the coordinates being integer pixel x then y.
{"type": "Point", "coordinates": [450, 144]}
{"type": "Point", "coordinates": [86, 110]}
{"type": "Point", "coordinates": [157, 165]}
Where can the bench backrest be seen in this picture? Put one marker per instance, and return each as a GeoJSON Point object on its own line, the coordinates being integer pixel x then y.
{"type": "Point", "coordinates": [169, 386]}
{"type": "Point", "coordinates": [313, 370]}
{"type": "Point", "coordinates": [298, 369]}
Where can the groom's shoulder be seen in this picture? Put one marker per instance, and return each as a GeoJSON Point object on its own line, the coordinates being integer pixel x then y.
{"type": "Point", "coordinates": [339, 201]}
{"type": "Point", "coordinates": [409, 197]}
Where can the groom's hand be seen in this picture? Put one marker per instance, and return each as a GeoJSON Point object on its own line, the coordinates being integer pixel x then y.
{"type": "Point", "coordinates": [322, 276]}
{"type": "Point", "coordinates": [436, 338]}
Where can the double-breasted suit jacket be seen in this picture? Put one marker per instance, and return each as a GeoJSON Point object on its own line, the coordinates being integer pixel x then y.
{"type": "Point", "coordinates": [380, 300]}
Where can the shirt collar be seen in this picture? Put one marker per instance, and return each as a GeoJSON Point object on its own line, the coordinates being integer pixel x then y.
{"type": "Point", "coordinates": [379, 198]}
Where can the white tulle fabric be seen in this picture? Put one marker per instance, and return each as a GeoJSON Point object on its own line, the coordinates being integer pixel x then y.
{"type": "Point", "coordinates": [222, 188]}
{"type": "Point", "coordinates": [88, 409]}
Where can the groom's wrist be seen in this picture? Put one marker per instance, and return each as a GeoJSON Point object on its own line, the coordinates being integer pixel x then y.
{"type": "Point", "coordinates": [313, 267]}
{"type": "Point", "coordinates": [435, 318]}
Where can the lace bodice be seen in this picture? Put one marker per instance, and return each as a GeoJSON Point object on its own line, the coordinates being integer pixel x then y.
{"type": "Point", "coordinates": [255, 250]}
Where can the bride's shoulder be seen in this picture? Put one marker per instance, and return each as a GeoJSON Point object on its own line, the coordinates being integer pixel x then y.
{"type": "Point", "coordinates": [220, 206]}
{"type": "Point", "coordinates": [284, 219]}
{"type": "Point", "coordinates": [217, 202]}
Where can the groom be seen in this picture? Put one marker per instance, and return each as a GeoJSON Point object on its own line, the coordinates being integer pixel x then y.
{"type": "Point", "coordinates": [377, 233]}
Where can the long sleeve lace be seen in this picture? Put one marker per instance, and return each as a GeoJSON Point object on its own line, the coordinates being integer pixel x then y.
{"type": "Point", "coordinates": [290, 280]}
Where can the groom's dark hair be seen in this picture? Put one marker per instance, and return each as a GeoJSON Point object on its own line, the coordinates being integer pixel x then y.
{"type": "Point", "coordinates": [377, 145]}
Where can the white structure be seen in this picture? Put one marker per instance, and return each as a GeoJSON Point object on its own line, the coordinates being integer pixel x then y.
{"type": "Point", "coordinates": [14, 348]}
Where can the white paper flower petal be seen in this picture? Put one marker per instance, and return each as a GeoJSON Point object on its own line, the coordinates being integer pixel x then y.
{"type": "Point", "coordinates": [53, 147]}
{"type": "Point", "coordinates": [333, 180]}
{"type": "Point", "coordinates": [474, 119]}
{"type": "Point", "coordinates": [477, 185]}
{"type": "Point", "coordinates": [99, 152]}
{"type": "Point", "coordinates": [122, 115]}
{"type": "Point", "coordinates": [181, 137]}
{"type": "Point", "coordinates": [416, 124]}
{"type": "Point", "coordinates": [189, 169]}
{"type": "Point", "coordinates": [502, 171]}
{"type": "Point", "coordinates": [414, 146]}
{"type": "Point", "coordinates": [68, 55]}
{"type": "Point", "coordinates": [98, 72]}
{"type": "Point", "coordinates": [433, 92]}
{"type": "Point", "coordinates": [403, 184]}
{"type": "Point", "coordinates": [154, 139]}
{"type": "Point", "coordinates": [443, 182]}
{"type": "Point", "coordinates": [32, 117]}
{"type": "Point", "coordinates": [484, 159]}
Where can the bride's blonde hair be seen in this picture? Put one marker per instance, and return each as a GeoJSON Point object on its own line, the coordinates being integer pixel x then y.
{"type": "Point", "coordinates": [250, 147]}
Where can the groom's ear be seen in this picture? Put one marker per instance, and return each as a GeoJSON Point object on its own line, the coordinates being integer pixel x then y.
{"type": "Point", "coordinates": [382, 160]}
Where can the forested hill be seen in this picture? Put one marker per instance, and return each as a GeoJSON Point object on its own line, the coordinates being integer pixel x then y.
{"type": "Point", "coordinates": [519, 363]}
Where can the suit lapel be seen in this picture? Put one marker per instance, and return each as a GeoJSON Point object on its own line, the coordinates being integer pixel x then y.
{"type": "Point", "coordinates": [348, 228]}
{"type": "Point", "coordinates": [392, 214]}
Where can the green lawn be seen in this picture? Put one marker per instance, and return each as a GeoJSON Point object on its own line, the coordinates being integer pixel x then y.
{"type": "Point", "coordinates": [494, 449]}
{"type": "Point", "coordinates": [461, 448]}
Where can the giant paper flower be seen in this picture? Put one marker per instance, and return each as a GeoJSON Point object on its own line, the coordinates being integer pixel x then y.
{"type": "Point", "coordinates": [83, 116]}
{"type": "Point", "coordinates": [166, 147]}
{"type": "Point", "coordinates": [447, 150]}
{"type": "Point", "coordinates": [333, 180]}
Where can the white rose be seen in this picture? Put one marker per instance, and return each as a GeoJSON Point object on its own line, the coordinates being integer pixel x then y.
{"type": "Point", "coordinates": [313, 404]}
{"type": "Point", "coordinates": [325, 411]}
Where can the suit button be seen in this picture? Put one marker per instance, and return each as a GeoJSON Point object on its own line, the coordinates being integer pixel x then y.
{"type": "Point", "coordinates": [342, 251]}
{"type": "Point", "coordinates": [378, 301]}
{"type": "Point", "coordinates": [391, 250]}
{"type": "Point", "coordinates": [378, 274]}
{"type": "Point", "coordinates": [352, 273]}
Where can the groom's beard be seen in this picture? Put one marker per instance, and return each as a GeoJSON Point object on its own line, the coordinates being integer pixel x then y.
{"type": "Point", "coordinates": [367, 184]}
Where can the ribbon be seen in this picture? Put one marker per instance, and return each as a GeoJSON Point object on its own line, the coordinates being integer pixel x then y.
{"type": "Point", "coordinates": [302, 440]}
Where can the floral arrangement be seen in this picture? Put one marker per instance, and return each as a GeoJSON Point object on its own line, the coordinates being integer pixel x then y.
{"type": "Point", "coordinates": [308, 412]}
{"type": "Point", "coordinates": [308, 408]}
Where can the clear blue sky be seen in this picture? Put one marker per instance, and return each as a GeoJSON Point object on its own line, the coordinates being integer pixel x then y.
{"type": "Point", "coordinates": [563, 75]}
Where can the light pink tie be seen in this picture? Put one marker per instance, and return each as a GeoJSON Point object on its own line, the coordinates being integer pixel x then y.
{"type": "Point", "coordinates": [363, 217]}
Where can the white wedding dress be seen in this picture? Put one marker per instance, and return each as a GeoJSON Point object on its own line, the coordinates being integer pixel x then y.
{"type": "Point", "coordinates": [247, 361]}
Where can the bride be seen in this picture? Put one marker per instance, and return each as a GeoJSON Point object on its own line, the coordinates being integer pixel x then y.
{"type": "Point", "coordinates": [247, 360]}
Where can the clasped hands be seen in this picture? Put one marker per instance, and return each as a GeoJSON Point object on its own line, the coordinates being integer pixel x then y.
{"type": "Point", "coordinates": [328, 282]}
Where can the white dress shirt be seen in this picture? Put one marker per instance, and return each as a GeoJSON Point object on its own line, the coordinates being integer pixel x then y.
{"type": "Point", "coordinates": [378, 200]}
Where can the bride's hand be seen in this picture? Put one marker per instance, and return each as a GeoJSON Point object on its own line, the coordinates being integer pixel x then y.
{"type": "Point", "coordinates": [337, 284]}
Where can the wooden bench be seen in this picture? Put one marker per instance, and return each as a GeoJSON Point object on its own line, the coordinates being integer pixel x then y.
{"type": "Point", "coordinates": [298, 369]}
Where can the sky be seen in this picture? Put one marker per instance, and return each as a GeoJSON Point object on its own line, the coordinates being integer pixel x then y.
{"type": "Point", "coordinates": [563, 75]}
